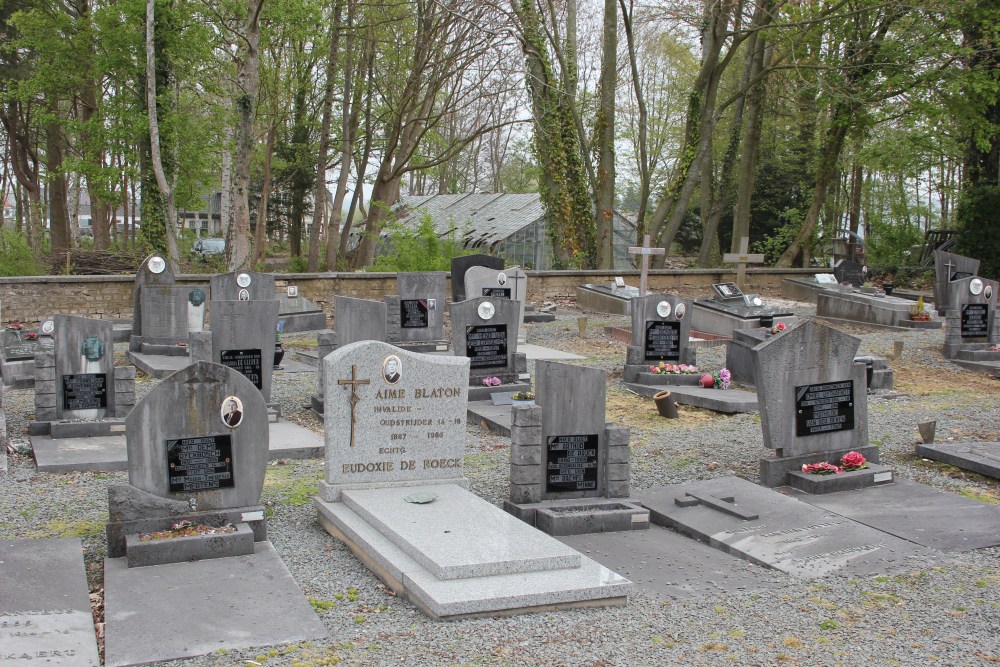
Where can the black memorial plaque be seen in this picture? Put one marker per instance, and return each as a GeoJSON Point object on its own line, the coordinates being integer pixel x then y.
{"type": "Point", "coordinates": [85, 391]}
{"type": "Point", "coordinates": [663, 341]}
{"type": "Point", "coordinates": [247, 362]}
{"type": "Point", "coordinates": [848, 271]}
{"type": "Point", "coordinates": [728, 290]}
{"type": "Point", "coordinates": [486, 345]}
{"type": "Point", "coordinates": [975, 320]}
{"type": "Point", "coordinates": [571, 463]}
{"type": "Point", "coordinates": [413, 314]}
{"type": "Point", "coordinates": [824, 408]}
{"type": "Point", "coordinates": [497, 292]}
{"type": "Point", "coordinates": [200, 464]}
{"type": "Point", "coordinates": [959, 275]}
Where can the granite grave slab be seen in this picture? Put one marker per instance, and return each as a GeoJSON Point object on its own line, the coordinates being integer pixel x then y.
{"type": "Point", "coordinates": [459, 267]}
{"type": "Point", "coordinates": [243, 336]}
{"type": "Point", "coordinates": [612, 299]}
{"type": "Point", "coordinates": [155, 270]}
{"type": "Point", "coordinates": [416, 315]}
{"type": "Point", "coordinates": [979, 457]}
{"type": "Point", "coordinates": [299, 313]}
{"type": "Point", "coordinates": [774, 530]}
{"type": "Point", "coordinates": [721, 400]}
{"type": "Point", "coordinates": [355, 320]}
{"type": "Point", "coordinates": [17, 352]}
{"type": "Point", "coordinates": [661, 330]}
{"type": "Point", "coordinates": [45, 615]}
{"type": "Point", "coordinates": [484, 330]}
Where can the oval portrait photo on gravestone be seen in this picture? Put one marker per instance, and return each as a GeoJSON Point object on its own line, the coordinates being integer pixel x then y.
{"type": "Point", "coordinates": [679, 311]}
{"type": "Point", "coordinates": [392, 369]}
{"type": "Point", "coordinates": [244, 295]}
{"type": "Point", "coordinates": [156, 264]}
{"type": "Point", "coordinates": [663, 309]}
{"type": "Point", "coordinates": [48, 326]}
{"type": "Point", "coordinates": [232, 411]}
{"type": "Point", "coordinates": [988, 292]}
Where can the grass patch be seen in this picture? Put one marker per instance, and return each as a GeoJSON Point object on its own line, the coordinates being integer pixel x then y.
{"type": "Point", "coordinates": [293, 483]}
{"type": "Point", "coordinates": [60, 528]}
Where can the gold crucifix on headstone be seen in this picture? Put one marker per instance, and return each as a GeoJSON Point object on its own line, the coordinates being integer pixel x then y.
{"type": "Point", "coordinates": [645, 252]}
{"type": "Point", "coordinates": [741, 259]}
{"type": "Point", "coordinates": [353, 382]}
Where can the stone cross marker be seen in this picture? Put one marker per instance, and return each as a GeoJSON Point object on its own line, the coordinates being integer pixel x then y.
{"type": "Point", "coordinates": [645, 252]}
{"type": "Point", "coordinates": [741, 259]}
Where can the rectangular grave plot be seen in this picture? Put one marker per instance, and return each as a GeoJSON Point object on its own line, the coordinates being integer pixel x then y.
{"type": "Point", "coordinates": [247, 362]}
{"type": "Point", "coordinates": [413, 314]}
{"type": "Point", "coordinates": [728, 290]}
{"type": "Point", "coordinates": [85, 391]}
{"type": "Point", "coordinates": [571, 463]}
{"type": "Point", "coordinates": [975, 320]}
{"type": "Point", "coordinates": [824, 408]}
{"type": "Point", "coordinates": [497, 292]}
{"type": "Point", "coordinates": [663, 341]}
{"type": "Point", "coordinates": [17, 346]}
{"type": "Point", "coordinates": [486, 345]}
{"type": "Point", "coordinates": [200, 464]}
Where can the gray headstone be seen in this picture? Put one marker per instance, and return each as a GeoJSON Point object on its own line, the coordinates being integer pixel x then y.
{"type": "Point", "coordinates": [154, 270]}
{"type": "Point", "coordinates": [393, 417]}
{"type": "Point", "coordinates": [490, 343]}
{"type": "Point", "coordinates": [659, 336]}
{"type": "Point", "coordinates": [574, 452]}
{"type": "Point", "coordinates": [84, 368]}
{"type": "Point", "coordinates": [812, 395]}
{"type": "Point", "coordinates": [498, 284]}
{"type": "Point", "coordinates": [250, 285]}
{"type": "Point", "coordinates": [358, 319]}
{"type": "Point", "coordinates": [170, 312]}
{"type": "Point", "coordinates": [185, 440]}
{"type": "Point", "coordinates": [459, 266]}
{"type": "Point", "coordinates": [948, 267]}
{"type": "Point", "coordinates": [243, 335]}
{"type": "Point", "coordinates": [847, 270]}
{"type": "Point", "coordinates": [419, 314]}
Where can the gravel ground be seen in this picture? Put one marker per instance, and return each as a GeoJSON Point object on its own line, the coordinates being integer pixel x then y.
{"type": "Point", "coordinates": [936, 616]}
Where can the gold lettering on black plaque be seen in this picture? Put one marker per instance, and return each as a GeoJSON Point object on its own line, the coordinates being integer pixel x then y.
{"type": "Point", "coordinates": [353, 382]}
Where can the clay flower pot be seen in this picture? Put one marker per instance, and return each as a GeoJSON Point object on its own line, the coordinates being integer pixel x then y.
{"type": "Point", "coordinates": [707, 381]}
{"type": "Point", "coordinates": [665, 404]}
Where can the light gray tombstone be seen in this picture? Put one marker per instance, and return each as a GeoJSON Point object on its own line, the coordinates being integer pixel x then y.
{"type": "Point", "coordinates": [460, 265]}
{"type": "Point", "coordinates": [949, 266]}
{"type": "Point", "coordinates": [971, 322]}
{"type": "Point", "coordinates": [661, 329]}
{"type": "Point", "coordinates": [243, 286]}
{"type": "Point", "coordinates": [498, 284]}
{"type": "Point", "coordinates": [197, 449]}
{"type": "Point", "coordinates": [393, 418]}
{"type": "Point", "coordinates": [416, 314]}
{"type": "Point", "coordinates": [358, 319]}
{"type": "Point", "coordinates": [84, 368]}
{"type": "Point", "coordinates": [154, 270]}
{"type": "Point", "coordinates": [243, 335]}
{"type": "Point", "coordinates": [484, 329]}
{"type": "Point", "coordinates": [169, 313]}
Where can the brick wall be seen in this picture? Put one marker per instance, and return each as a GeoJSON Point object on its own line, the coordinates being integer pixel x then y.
{"type": "Point", "coordinates": [30, 299]}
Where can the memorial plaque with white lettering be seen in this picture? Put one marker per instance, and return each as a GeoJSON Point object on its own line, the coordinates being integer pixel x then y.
{"type": "Point", "coordinates": [571, 463]}
{"type": "Point", "coordinates": [413, 314]}
{"type": "Point", "coordinates": [247, 362]}
{"type": "Point", "coordinates": [975, 320]}
{"type": "Point", "coordinates": [85, 391]}
{"type": "Point", "coordinates": [497, 292]}
{"type": "Point", "coordinates": [198, 464]}
{"type": "Point", "coordinates": [663, 341]}
{"type": "Point", "coordinates": [824, 408]}
{"type": "Point", "coordinates": [486, 345]}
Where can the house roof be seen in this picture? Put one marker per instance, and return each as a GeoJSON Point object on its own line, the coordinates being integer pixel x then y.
{"type": "Point", "coordinates": [483, 219]}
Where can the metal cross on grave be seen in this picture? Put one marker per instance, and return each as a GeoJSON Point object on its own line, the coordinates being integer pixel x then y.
{"type": "Point", "coordinates": [741, 259]}
{"type": "Point", "coordinates": [725, 505]}
{"type": "Point", "coordinates": [949, 266]}
{"type": "Point", "coordinates": [516, 292]}
{"type": "Point", "coordinates": [353, 382]}
{"type": "Point", "coordinates": [645, 252]}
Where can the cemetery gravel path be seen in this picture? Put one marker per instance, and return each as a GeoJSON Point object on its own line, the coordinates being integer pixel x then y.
{"type": "Point", "coordinates": [945, 615]}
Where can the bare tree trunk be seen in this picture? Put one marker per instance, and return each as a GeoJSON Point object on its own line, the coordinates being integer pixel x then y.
{"type": "Point", "coordinates": [154, 138]}
{"type": "Point", "coordinates": [260, 232]}
{"type": "Point", "coordinates": [751, 148]}
{"type": "Point", "coordinates": [319, 197]}
{"type": "Point", "coordinates": [55, 149]}
{"type": "Point", "coordinates": [604, 138]}
{"type": "Point", "coordinates": [640, 100]}
{"type": "Point", "coordinates": [362, 164]}
{"type": "Point", "coordinates": [854, 208]}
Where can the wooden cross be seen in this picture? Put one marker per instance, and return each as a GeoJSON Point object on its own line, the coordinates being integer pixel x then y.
{"type": "Point", "coordinates": [645, 252]}
{"type": "Point", "coordinates": [725, 505]}
{"type": "Point", "coordinates": [353, 382]}
{"type": "Point", "coordinates": [741, 259]}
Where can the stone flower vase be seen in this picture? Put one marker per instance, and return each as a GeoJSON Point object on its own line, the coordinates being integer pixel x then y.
{"type": "Point", "coordinates": [767, 321]}
{"type": "Point", "coordinates": [665, 404]}
{"type": "Point", "coordinates": [887, 288]}
{"type": "Point", "coordinates": [279, 354]}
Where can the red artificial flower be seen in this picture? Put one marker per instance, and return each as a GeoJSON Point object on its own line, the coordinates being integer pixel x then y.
{"type": "Point", "coordinates": [853, 461]}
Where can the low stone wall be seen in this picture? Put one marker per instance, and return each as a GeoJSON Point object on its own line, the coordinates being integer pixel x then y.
{"type": "Point", "coordinates": [32, 298]}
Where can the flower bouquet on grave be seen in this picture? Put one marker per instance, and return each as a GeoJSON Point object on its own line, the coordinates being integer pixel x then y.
{"type": "Point", "coordinates": [821, 468]}
{"type": "Point", "coordinates": [995, 348]}
{"type": "Point", "coordinates": [492, 381]}
{"type": "Point", "coordinates": [853, 461]}
{"type": "Point", "coordinates": [523, 396]}
{"type": "Point", "coordinates": [721, 378]}
{"type": "Point", "coordinates": [778, 328]}
{"type": "Point", "coordinates": [918, 313]}
{"type": "Point", "coordinates": [664, 368]}
{"type": "Point", "coordinates": [31, 335]}
{"type": "Point", "coordinates": [187, 529]}
{"type": "Point", "coordinates": [15, 326]}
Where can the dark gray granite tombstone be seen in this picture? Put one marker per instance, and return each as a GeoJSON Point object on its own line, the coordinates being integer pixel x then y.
{"type": "Point", "coordinates": [849, 271]}
{"type": "Point", "coordinates": [661, 329]}
{"type": "Point", "coordinates": [813, 399]}
{"type": "Point", "coordinates": [459, 266]}
{"type": "Point", "coordinates": [948, 267]}
{"type": "Point", "coordinates": [243, 334]}
{"type": "Point", "coordinates": [606, 298]}
{"type": "Point", "coordinates": [731, 310]}
{"type": "Point", "coordinates": [242, 286]}
{"type": "Point", "coordinates": [876, 309]}
{"type": "Point", "coordinates": [45, 614]}
{"type": "Point", "coordinates": [499, 284]}
{"type": "Point", "coordinates": [18, 347]}
{"type": "Point", "coordinates": [297, 313]}
{"type": "Point", "coordinates": [355, 320]}
{"type": "Point", "coordinates": [484, 329]}
{"type": "Point", "coordinates": [197, 449]}
{"type": "Point", "coordinates": [394, 494]}
{"type": "Point", "coordinates": [154, 270]}
{"type": "Point", "coordinates": [971, 325]}
{"type": "Point", "coordinates": [416, 314]}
